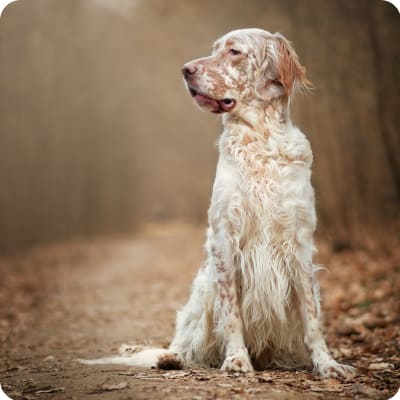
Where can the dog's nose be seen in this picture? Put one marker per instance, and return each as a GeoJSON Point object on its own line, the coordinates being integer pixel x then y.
{"type": "Point", "coordinates": [188, 70]}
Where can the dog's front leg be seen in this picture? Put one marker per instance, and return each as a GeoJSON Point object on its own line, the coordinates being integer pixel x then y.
{"type": "Point", "coordinates": [229, 326]}
{"type": "Point", "coordinates": [323, 362]}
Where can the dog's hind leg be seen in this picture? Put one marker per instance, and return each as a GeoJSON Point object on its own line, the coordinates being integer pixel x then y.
{"type": "Point", "coordinates": [194, 323]}
{"type": "Point", "coordinates": [323, 362]}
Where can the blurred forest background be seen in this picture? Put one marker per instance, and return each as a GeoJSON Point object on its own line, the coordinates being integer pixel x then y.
{"type": "Point", "coordinates": [98, 135]}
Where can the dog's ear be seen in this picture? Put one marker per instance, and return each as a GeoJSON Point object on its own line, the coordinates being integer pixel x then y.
{"type": "Point", "coordinates": [281, 73]}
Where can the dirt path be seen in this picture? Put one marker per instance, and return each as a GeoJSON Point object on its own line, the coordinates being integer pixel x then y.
{"type": "Point", "coordinates": [85, 299]}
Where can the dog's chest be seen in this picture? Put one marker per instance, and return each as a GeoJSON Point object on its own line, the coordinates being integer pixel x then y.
{"type": "Point", "coordinates": [264, 186]}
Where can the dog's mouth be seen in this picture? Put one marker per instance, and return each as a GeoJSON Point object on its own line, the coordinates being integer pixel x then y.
{"type": "Point", "coordinates": [213, 105]}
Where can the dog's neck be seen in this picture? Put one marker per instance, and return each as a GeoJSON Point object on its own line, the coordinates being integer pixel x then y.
{"type": "Point", "coordinates": [263, 119]}
{"type": "Point", "coordinates": [251, 139]}
{"type": "Point", "coordinates": [260, 127]}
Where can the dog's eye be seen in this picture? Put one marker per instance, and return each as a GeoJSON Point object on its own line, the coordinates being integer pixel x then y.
{"type": "Point", "coordinates": [234, 52]}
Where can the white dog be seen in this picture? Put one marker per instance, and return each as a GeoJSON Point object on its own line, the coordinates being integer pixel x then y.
{"type": "Point", "coordinates": [255, 302]}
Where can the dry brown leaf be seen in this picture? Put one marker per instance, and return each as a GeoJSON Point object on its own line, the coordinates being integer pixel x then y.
{"type": "Point", "coordinates": [359, 388]}
{"type": "Point", "coordinates": [380, 366]}
{"type": "Point", "coordinates": [327, 385]}
{"type": "Point", "coordinates": [175, 375]}
{"type": "Point", "coordinates": [50, 390]}
{"type": "Point", "coordinates": [114, 386]}
{"type": "Point", "coordinates": [225, 385]}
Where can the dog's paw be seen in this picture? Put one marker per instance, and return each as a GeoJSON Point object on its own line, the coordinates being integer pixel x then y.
{"type": "Point", "coordinates": [170, 361]}
{"type": "Point", "coordinates": [237, 363]}
{"type": "Point", "coordinates": [333, 369]}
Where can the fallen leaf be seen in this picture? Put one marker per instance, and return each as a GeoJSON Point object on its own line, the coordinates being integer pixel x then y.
{"type": "Point", "coordinates": [225, 385]}
{"type": "Point", "coordinates": [317, 388]}
{"type": "Point", "coordinates": [264, 379]}
{"type": "Point", "coordinates": [50, 390]}
{"type": "Point", "coordinates": [346, 330]}
{"type": "Point", "coordinates": [359, 388]}
{"type": "Point", "coordinates": [202, 378]}
{"type": "Point", "coordinates": [175, 375]}
{"type": "Point", "coordinates": [344, 351]}
{"type": "Point", "coordinates": [380, 366]}
{"type": "Point", "coordinates": [114, 386]}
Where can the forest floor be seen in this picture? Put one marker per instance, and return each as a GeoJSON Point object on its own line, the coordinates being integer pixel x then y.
{"type": "Point", "coordinates": [84, 299]}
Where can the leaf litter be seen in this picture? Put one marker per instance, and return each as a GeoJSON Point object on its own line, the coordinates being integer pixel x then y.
{"type": "Point", "coordinates": [53, 309]}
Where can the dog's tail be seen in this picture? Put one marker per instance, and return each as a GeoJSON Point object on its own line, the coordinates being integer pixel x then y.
{"type": "Point", "coordinates": [139, 356]}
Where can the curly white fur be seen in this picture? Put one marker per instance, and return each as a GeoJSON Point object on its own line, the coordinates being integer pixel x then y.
{"type": "Point", "coordinates": [255, 302]}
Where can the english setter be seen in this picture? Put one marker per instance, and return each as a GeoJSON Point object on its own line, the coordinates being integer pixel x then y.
{"type": "Point", "coordinates": [255, 302]}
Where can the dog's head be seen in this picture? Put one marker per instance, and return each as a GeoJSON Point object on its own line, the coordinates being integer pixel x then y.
{"type": "Point", "coordinates": [246, 65]}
